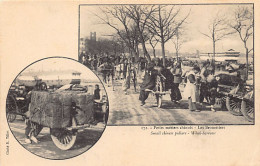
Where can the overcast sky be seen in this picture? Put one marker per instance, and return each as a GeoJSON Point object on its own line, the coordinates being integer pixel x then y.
{"type": "Point", "coordinates": [62, 64]}
{"type": "Point", "coordinates": [197, 22]}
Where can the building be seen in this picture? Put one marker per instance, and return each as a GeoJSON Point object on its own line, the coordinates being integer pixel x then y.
{"type": "Point", "coordinates": [82, 45]}
{"type": "Point", "coordinates": [93, 36]}
{"type": "Point", "coordinates": [228, 56]}
{"type": "Point", "coordinates": [158, 52]}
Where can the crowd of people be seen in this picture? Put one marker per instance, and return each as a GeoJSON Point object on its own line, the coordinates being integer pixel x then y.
{"type": "Point", "coordinates": [200, 82]}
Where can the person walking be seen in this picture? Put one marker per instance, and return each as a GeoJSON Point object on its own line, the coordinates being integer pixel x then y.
{"type": "Point", "coordinates": [148, 83]}
{"type": "Point", "coordinates": [31, 131]}
{"type": "Point", "coordinates": [127, 77]}
{"type": "Point", "coordinates": [103, 68]}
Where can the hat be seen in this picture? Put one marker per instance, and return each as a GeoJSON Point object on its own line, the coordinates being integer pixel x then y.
{"type": "Point", "coordinates": [210, 68]}
{"type": "Point", "coordinates": [196, 68]}
{"type": "Point", "coordinates": [242, 66]}
{"type": "Point", "coordinates": [150, 66]}
{"type": "Point", "coordinates": [156, 59]}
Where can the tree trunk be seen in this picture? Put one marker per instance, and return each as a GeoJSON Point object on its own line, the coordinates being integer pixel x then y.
{"type": "Point", "coordinates": [163, 52]}
{"type": "Point", "coordinates": [213, 59]}
{"type": "Point", "coordinates": [133, 50]}
{"type": "Point", "coordinates": [162, 37]}
{"type": "Point", "coordinates": [143, 43]}
{"type": "Point", "coordinates": [154, 52]}
{"type": "Point", "coordinates": [177, 44]}
{"type": "Point", "coordinates": [144, 49]}
{"type": "Point", "coordinates": [136, 55]}
{"type": "Point", "coordinates": [177, 54]}
{"type": "Point", "coordinates": [137, 50]}
{"type": "Point", "coordinates": [247, 66]}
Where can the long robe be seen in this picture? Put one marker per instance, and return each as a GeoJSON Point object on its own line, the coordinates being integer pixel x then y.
{"type": "Point", "coordinates": [190, 90]}
{"type": "Point", "coordinates": [148, 81]}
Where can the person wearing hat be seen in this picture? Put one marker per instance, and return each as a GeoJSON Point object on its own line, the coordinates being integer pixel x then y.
{"type": "Point", "coordinates": [204, 73]}
{"type": "Point", "coordinates": [127, 76]}
{"type": "Point", "coordinates": [104, 69]}
{"type": "Point", "coordinates": [161, 70]}
{"type": "Point", "coordinates": [125, 65]}
{"type": "Point", "coordinates": [241, 72]}
{"type": "Point", "coordinates": [212, 85]}
{"type": "Point", "coordinates": [148, 83]}
{"type": "Point", "coordinates": [191, 91]}
{"type": "Point", "coordinates": [156, 62]}
{"type": "Point", "coordinates": [175, 91]}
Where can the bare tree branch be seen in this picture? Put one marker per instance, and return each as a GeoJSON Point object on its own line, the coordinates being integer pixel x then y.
{"type": "Point", "coordinates": [243, 25]}
{"type": "Point", "coordinates": [163, 24]}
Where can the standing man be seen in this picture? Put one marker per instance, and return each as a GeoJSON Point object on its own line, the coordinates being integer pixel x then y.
{"type": "Point", "coordinates": [104, 70]}
{"type": "Point", "coordinates": [175, 91]}
{"type": "Point", "coordinates": [204, 73]}
{"type": "Point", "coordinates": [212, 89]}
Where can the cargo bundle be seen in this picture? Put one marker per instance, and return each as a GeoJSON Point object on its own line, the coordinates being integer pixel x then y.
{"type": "Point", "coordinates": [55, 109]}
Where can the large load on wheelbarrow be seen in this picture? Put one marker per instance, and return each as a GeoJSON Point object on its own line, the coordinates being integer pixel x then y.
{"type": "Point", "coordinates": [238, 95]}
{"type": "Point", "coordinates": [63, 112]}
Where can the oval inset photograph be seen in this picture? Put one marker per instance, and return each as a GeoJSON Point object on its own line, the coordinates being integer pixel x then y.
{"type": "Point", "coordinates": [57, 108]}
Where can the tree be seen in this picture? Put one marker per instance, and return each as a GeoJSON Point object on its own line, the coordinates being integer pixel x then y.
{"type": "Point", "coordinates": [119, 14]}
{"type": "Point", "coordinates": [153, 42]}
{"type": "Point", "coordinates": [135, 39]}
{"type": "Point", "coordinates": [178, 42]}
{"type": "Point", "coordinates": [120, 43]}
{"type": "Point", "coordinates": [164, 22]}
{"type": "Point", "coordinates": [140, 14]}
{"type": "Point", "coordinates": [243, 24]}
{"type": "Point", "coordinates": [104, 46]}
{"type": "Point", "coordinates": [132, 19]}
{"type": "Point", "coordinates": [218, 30]}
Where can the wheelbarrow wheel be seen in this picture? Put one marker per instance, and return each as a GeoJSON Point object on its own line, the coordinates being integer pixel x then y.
{"type": "Point", "coordinates": [64, 139]}
{"type": "Point", "coordinates": [247, 110]}
{"type": "Point", "coordinates": [233, 106]}
{"type": "Point", "coordinates": [11, 108]}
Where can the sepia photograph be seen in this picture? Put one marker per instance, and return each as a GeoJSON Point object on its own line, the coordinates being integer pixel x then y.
{"type": "Point", "coordinates": [169, 64]}
{"type": "Point", "coordinates": [57, 108]}
{"type": "Point", "coordinates": [129, 83]}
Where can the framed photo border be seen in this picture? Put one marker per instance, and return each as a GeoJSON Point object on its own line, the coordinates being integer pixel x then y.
{"type": "Point", "coordinates": [179, 4]}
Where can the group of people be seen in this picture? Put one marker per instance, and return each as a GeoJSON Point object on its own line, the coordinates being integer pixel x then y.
{"type": "Point", "coordinates": [172, 76]}
{"type": "Point", "coordinates": [111, 67]}
{"type": "Point", "coordinates": [200, 83]}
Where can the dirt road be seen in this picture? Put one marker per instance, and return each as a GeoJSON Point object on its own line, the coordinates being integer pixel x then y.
{"type": "Point", "coordinates": [126, 110]}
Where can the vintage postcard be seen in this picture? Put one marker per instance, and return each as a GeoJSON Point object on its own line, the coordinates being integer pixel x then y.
{"type": "Point", "coordinates": [145, 53]}
{"type": "Point", "coordinates": [129, 83]}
